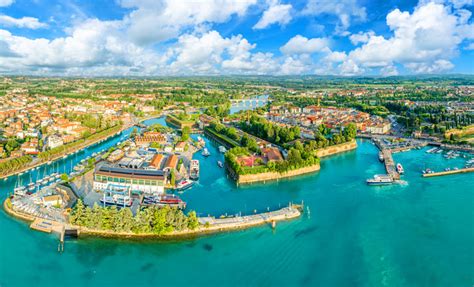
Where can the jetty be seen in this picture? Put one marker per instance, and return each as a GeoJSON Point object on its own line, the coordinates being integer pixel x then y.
{"type": "Point", "coordinates": [390, 164]}
{"type": "Point", "coordinates": [240, 222]}
{"type": "Point", "coordinates": [448, 172]}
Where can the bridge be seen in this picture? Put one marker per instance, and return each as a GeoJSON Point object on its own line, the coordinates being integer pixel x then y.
{"type": "Point", "coordinates": [254, 102]}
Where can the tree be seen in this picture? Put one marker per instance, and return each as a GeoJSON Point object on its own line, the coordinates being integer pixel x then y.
{"type": "Point", "coordinates": [350, 131]}
{"type": "Point", "coordinates": [185, 133]}
{"type": "Point", "coordinates": [172, 178]}
{"type": "Point", "coordinates": [193, 222]}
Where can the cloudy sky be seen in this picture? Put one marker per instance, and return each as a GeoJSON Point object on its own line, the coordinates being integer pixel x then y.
{"type": "Point", "coordinates": [220, 37]}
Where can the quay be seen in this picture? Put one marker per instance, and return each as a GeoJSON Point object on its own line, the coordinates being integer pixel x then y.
{"type": "Point", "coordinates": [208, 225]}
{"type": "Point", "coordinates": [448, 172]}
{"type": "Point", "coordinates": [241, 222]}
{"type": "Point", "coordinates": [388, 160]}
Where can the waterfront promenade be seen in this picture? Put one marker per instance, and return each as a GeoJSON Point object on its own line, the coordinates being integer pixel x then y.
{"type": "Point", "coordinates": [448, 172]}
{"type": "Point", "coordinates": [208, 225]}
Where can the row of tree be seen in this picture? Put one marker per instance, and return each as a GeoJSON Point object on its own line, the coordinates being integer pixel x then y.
{"type": "Point", "coordinates": [14, 164]}
{"type": "Point", "coordinates": [148, 220]}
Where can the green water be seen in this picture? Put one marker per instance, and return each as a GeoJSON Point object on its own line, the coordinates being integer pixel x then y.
{"type": "Point", "coordinates": [420, 234]}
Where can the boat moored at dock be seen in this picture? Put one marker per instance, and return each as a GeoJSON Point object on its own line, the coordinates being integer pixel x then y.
{"type": "Point", "coordinates": [400, 169]}
{"type": "Point", "coordinates": [380, 179]}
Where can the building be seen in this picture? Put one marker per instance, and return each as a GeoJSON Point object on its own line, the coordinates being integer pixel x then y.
{"type": "Point", "coordinates": [272, 154]}
{"type": "Point", "coordinates": [54, 141]}
{"type": "Point", "coordinates": [52, 200]}
{"type": "Point", "coordinates": [150, 137]}
{"type": "Point", "coordinates": [156, 161]}
{"type": "Point", "coordinates": [180, 146]}
{"type": "Point", "coordinates": [171, 163]}
{"type": "Point", "coordinates": [139, 180]}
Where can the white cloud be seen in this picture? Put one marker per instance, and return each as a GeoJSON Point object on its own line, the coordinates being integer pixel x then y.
{"type": "Point", "coordinates": [160, 20]}
{"type": "Point", "coordinates": [276, 14]}
{"type": "Point", "coordinates": [6, 3]}
{"type": "Point", "coordinates": [345, 10]}
{"type": "Point", "coordinates": [302, 45]}
{"type": "Point", "coordinates": [361, 37]}
{"type": "Point", "coordinates": [24, 22]}
{"type": "Point", "coordinates": [420, 41]}
{"type": "Point", "coordinates": [92, 45]}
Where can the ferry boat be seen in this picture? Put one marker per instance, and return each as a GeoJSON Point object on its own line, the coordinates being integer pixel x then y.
{"type": "Point", "coordinates": [381, 156]}
{"type": "Point", "coordinates": [400, 168]}
{"type": "Point", "coordinates": [165, 200]}
{"type": "Point", "coordinates": [222, 149]}
{"type": "Point", "coordinates": [205, 152]}
{"type": "Point", "coordinates": [220, 164]}
{"type": "Point", "coordinates": [184, 184]}
{"type": "Point", "coordinates": [194, 169]}
{"type": "Point", "coordinates": [380, 179]}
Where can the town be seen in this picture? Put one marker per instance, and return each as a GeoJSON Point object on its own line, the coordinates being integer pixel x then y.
{"type": "Point", "coordinates": [280, 135]}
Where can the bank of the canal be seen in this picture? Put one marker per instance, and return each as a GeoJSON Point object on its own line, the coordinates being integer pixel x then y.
{"type": "Point", "coordinates": [419, 234]}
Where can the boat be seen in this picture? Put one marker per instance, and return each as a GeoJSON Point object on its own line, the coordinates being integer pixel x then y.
{"type": "Point", "coordinates": [64, 156]}
{"type": "Point", "coordinates": [400, 168]}
{"type": "Point", "coordinates": [205, 152]}
{"type": "Point", "coordinates": [381, 156]}
{"type": "Point", "coordinates": [165, 200]}
{"type": "Point", "coordinates": [194, 169]}
{"type": "Point", "coordinates": [222, 149]}
{"type": "Point", "coordinates": [184, 184]}
{"type": "Point", "coordinates": [19, 191]}
{"type": "Point", "coordinates": [432, 150]}
{"type": "Point", "coordinates": [117, 200]}
{"type": "Point", "coordinates": [220, 164]}
{"type": "Point", "coordinates": [380, 179]}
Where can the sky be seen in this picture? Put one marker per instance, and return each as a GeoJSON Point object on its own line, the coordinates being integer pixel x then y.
{"type": "Point", "coordinates": [236, 37]}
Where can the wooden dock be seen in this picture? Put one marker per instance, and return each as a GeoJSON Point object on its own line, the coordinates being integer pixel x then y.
{"type": "Point", "coordinates": [390, 164]}
{"type": "Point", "coordinates": [448, 172]}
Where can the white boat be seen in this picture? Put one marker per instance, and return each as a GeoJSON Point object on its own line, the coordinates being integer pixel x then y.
{"type": "Point", "coordinates": [220, 164]}
{"type": "Point", "coordinates": [380, 179]}
{"type": "Point", "coordinates": [184, 184]}
{"type": "Point", "coordinates": [205, 152]}
{"type": "Point", "coordinates": [222, 149]}
{"type": "Point", "coordinates": [400, 168]}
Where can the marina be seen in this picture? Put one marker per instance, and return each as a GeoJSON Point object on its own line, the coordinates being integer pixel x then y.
{"type": "Point", "coordinates": [441, 197]}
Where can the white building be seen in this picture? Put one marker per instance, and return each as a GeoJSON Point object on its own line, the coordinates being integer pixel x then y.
{"type": "Point", "coordinates": [53, 141]}
{"type": "Point", "coordinates": [139, 180]}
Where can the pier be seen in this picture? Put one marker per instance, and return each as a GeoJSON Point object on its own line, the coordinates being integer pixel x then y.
{"type": "Point", "coordinates": [448, 172]}
{"type": "Point", "coordinates": [242, 222]}
{"type": "Point", "coordinates": [388, 160]}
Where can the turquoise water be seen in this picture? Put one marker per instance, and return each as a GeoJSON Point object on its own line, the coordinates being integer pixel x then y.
{"type": "Point", "coordinates": [419, 234]}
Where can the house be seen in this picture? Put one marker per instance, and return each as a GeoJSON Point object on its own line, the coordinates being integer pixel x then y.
{"type": "Point", "coordinates": [52, 200]}
{"type": "Point", "coordinates": [156, 160]}
{"type": "Point", "coordinates": [272, 154]}
{"type": "Point", "coordinates": [172, 162]}
{"type": "Point", "coordinates": [180, 146]}
{"type": "Point", "coordinates": [53, 141]}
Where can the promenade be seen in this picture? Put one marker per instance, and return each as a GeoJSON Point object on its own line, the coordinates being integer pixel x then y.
{"type": "Point", "coordinates": [448, 172]}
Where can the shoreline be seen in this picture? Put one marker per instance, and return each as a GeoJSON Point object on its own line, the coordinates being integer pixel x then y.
{"type": "Point", "coordinates": [276, 176]}
{"type": "Point", "coordinates": [54, 159]}
{"type": "Point", "coordinates": [243, 223]}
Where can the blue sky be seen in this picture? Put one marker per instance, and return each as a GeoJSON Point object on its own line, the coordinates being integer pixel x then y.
{"type": "Point", "coordinates": [214, 37]}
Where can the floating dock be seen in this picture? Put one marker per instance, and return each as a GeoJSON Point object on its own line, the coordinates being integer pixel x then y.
{"type": "Point", "coordinates": [448, 172]}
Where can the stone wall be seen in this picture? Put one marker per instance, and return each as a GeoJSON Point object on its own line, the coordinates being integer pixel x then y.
{"type": "Point", "coordinates": [270, 176]}
{"type": "Point", "coordinates": [336, 149]}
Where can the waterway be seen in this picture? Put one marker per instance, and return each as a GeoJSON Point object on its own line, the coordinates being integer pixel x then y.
{"type": "Point", "coordinates": [418, 234]}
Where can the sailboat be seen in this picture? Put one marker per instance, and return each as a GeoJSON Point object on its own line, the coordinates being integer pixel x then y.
{"type": "Point", "coordinates": [19, 189]}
